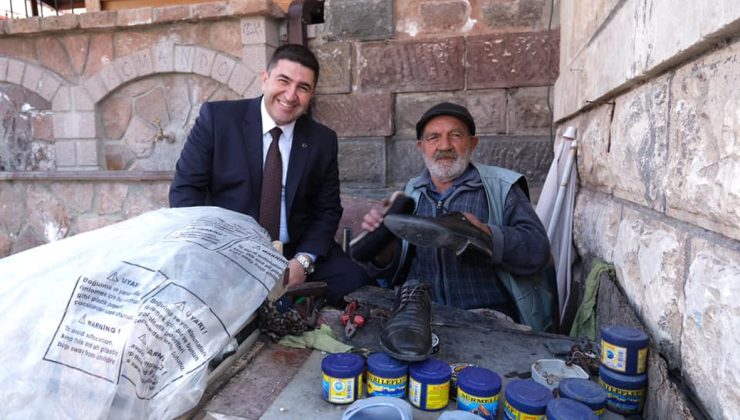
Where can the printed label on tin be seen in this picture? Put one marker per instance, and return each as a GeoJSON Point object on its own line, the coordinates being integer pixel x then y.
{"type": "Point", "coordinates": [511, 413]}
{"type": "Point", "coordinates": [436, 397]}
{"type": "Point", "coordinates": [415, 393]}
{"type": "Point", "coordinates": [641, 360]}
{"type": "Point", "coordinates": [625, 401]}
{"type": "Point", "coordinates": [483, 407]}
{"type": "Point", "coordinates": [340, 390]}
{"type": "Point", "coordinates": [613, 357]}
{"type": "Point", "coordinates": [386, 387]}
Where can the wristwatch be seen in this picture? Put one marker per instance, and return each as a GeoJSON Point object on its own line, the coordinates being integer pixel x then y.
{"type": "Point", "coordinates": [305, 262]}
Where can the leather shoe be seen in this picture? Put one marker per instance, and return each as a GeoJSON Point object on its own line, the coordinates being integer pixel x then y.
{"type": "Point", "coordinates": [452, 231]}
{"type": "Point", "coordinates": [368, 245]}
{"type": "Point", "coordinates": [407, 335]}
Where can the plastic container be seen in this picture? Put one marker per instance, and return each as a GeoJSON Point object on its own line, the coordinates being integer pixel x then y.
{"type": "Point", "coordinates": [342, 377]}
{"type": "Point", "coordinates": [567, 409]}
{"type": "Point", "coordinates": [549, 372]}
{"type": "Point", "coordinates": [429, 384]}
{"type": "Point", "coordinates": [586, 392]}
{"type": "Point", "coordinates": [625, 393]}
{"type": "Point", "coordinates": [624, 349]}
{"type": "Point", "coordinates": [386, 376]}
{"type": "Point", "coordinates": [478, 391]}
{"type": "Point", "coordinates": [525, 398]}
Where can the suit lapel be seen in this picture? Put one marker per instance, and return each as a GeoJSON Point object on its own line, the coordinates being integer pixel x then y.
{"type": "Point", "coordinates": [252, 127]}
{"type": "Point", "coordinates": [299, 152]}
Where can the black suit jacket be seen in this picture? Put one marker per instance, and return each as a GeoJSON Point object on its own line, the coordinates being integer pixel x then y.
{"type": "Point", "coordinates": [221, 165]}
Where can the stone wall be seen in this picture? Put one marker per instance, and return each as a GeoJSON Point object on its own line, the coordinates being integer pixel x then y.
{"type": "Point", "coordinates": [658, 115]}
{"type": "Point", "coordinates": [95, 107]}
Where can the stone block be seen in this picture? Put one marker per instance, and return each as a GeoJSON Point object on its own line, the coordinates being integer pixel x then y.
{"type": "Point", "coordinates": [223, 66]}
{"type": "Point", "coordinates": [48, 85]}
{"type": "Point", "coordinates": [511, 60]}
{"type": "Point", "coordinates": [335, 60]}
{"type": "Point", "coordinates": [59, 23]}
{"type": "Point", "coordinates": [27, 239]}
{"type": "Point", "coordinates": [110, 77]}
{"type": "Point", "coordinates": [208, 10]}
{"type": "Point", "coordinates": [99, 53]}
{"type": "Point", "coordinates": [139, 138]}
{"type": "Point", "coordinates": [225, 37]}
{"type": "Point", "coordinates": [77, 197]}
{"type": "Point", "coordinates": [111, 197]}
{"type": "Point", "coordinates": [250, 7]}
{"type": "Point", "coordinates": [127, 67]}
{"type": "Point", "coordinates": [528, 111]}
{"type": "Point", "coordinates": [259, 30]}
{"type": "Point", "coordinates": [65, 153]}
{"type": "Point", "coordinates": [12, 205]}
{"type": "Point", "coordinates": [403, 161]}
{"type": "Point", "coordinates": [529, 155]}
{"type": "Point", "coordinates": [46, 215]}
{"type": "Point", "coordinates": [81, 99]}
{"type": "Point", "coordinates": [134, 17]}
{"type": "Point", "coordinates": [596, 224]}
{"type": "Point", "coordinates": [517, 13]}
{"type": "Point", "coordinates": [710, 325]}
{"type": "Point", "coordinates": [638, 146]}
{"type": "Point", "coordinates": [184, 58]}
{"type": "Point", "coordinates": [365, 20]}
{"type": "Point", "coordinates": [152, 107]}
{"type": "Point", "coordinates": [117, 157]}
{"type": "Point", "coordinates": [203, 61]}
{"type": "Point", "coordinates": [371, 114]}
{"type": "Point", "coordinates": [91, 20]}
{"type": "Point", "coordinates": [703, 158]}
{"type": "Point", "coordinates": [42, 126]}
{"type": "Point", "coordinates": [649, 257]}
{"type": "Point", "coordinates": [87, 153]}
{"type": "Point", "coordinates": [62, 100]}
{"type": "Point", "coordinates": [256, 57]}
{"type": "Point", "coordinates": [96, 88]}
{"type": "Point", "coordinates": [16, 68]}
{"type": "Point", "coordinates": [444, 16]}
{"type": "Point", "coordinates": [362, 161]}
{"type": "Point", "coordinates": [6, 244]}
{"type": "Point", "coordinates": [74, 125]}
{"type": "Point", "coordinates": [413, 66]}
{"type": "Point", "coordinates": [240, 79]}
{"type": "Point", "coordinates": [24, 26]}
{"type": "Point", "coordinates": [3, 68]}
{"type": "Point", "coordinates": [163, 57]}
{"type": "Point", "coordinates": [170, 13]}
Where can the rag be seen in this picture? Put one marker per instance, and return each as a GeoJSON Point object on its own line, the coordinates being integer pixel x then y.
{"type": "Point", "coordinates": [320, 339]}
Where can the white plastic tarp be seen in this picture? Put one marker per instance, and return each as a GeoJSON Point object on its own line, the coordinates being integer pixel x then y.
{"type": "Point", "coordinates": [121, 322]}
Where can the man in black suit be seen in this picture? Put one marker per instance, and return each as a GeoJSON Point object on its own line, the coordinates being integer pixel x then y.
{"type": "Point", "coordinates": [222, 164]}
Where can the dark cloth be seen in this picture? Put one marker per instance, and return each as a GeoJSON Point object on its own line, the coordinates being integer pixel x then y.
{"type": "Point", "coordinates": [221, 165]}
{"type": "Point", "coordinates": [520, 246]}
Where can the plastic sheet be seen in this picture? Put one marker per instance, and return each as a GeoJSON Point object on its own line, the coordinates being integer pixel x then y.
{"type": "Point", "coordinates": [121, 322]}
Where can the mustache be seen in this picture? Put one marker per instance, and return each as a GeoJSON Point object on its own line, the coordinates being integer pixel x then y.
{"type": "Point", "coordinates": [446, 154]}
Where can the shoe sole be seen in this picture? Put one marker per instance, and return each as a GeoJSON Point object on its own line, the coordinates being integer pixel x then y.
{"type": "Point", "coordinates": [424, 232]}
{"type": "Point", "coordinates": [407, 357]}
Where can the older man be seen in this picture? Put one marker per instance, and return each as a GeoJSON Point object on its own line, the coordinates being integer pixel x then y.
{"type": "Point", "coordinates": [479, 242]}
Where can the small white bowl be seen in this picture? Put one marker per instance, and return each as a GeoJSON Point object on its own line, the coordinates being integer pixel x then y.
{"type": "Point", "coordinates": [549, 372]}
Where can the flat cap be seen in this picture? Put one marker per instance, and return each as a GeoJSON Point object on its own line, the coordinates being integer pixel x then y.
{"type": "Point", "coordinates": [445, 108]}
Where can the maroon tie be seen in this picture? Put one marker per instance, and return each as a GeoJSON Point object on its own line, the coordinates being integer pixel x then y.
{"type": "Point", "coordinates": [272, 188]}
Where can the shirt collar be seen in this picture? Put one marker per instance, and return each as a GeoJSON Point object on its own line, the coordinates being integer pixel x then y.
{"type": "Point", "coordinates": [268, 123]}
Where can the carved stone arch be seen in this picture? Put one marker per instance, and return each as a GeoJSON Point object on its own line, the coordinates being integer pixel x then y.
{"type": "Point", "coordinates": [27, 98]}
{"type": "Point", "coordinates": [147, 101]}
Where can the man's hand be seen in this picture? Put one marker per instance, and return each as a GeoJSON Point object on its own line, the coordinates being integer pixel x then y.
{"type": "Point", "coordinates": [296, 274]}
{"type": "Point", "coordinates": [477, 223]}
{"type": "Point", "coordinates": [372, 220]}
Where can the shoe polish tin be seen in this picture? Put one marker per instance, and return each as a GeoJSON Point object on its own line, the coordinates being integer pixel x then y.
{"type": "Point", "coordinates": [456, 368]}
{"type": "Point", "coordinates": [526, 399]}
{"type": "Point", "coordinates": [584, 391]}
{"type": "Point", "coordinates": [342, 377]}
{"type": "Point", "coordinates": [478, 391]}
{"type": "Point", "coordinates": [625, 393]}
{"type": "Point", "coordinates": [624, 349]}
{"type": "Point", "coordinates": [386, 376]}
{"type": "Point", "coordinates": [429, 384]}
{"type": "Point", "coordinates": [567, 409]}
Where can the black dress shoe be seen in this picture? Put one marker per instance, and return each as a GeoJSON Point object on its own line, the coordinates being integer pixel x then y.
{"type": "Point", "coordinates": [407, 335]}
{"type": "Point", "coordinates": [368, 245]}
{"type": "Point", "coordinates": [452, 231]}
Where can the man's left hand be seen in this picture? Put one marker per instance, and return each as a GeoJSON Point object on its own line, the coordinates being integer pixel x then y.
{"type": "Point", "coordinates": [296, 275]}
{"type": "Point", "coordinates": [477, 223]}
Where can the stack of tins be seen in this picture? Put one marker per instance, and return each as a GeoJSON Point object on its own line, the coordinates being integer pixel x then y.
{"type": "Point", "coordinates": [623, 364]}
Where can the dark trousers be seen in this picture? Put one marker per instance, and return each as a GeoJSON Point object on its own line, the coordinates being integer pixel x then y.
{"type": "Point", "coordinates": [341, 274]}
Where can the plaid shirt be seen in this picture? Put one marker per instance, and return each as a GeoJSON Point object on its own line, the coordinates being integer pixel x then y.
{"type": "Point", "coordinates": [469, 281]}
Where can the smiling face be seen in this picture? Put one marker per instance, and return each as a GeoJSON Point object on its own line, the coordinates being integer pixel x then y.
{"type": "Point", "coordinates": [446, 146]}
{"type": "Point", "coordinates": [288, 87]}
